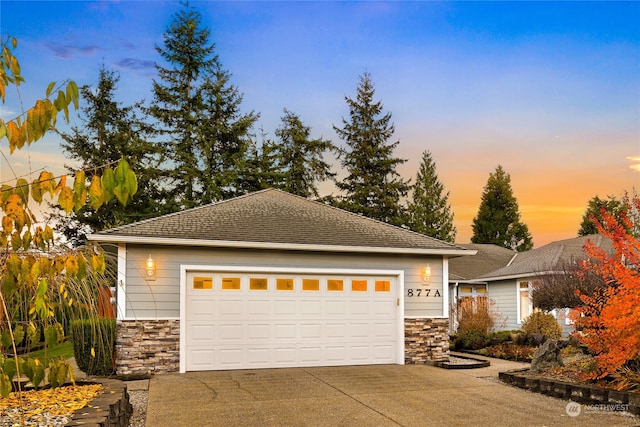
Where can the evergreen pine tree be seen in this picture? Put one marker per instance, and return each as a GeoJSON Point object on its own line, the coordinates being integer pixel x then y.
{"type": "Point", "coordinates": [372, 186]}
{"type": "Point", "coordinates": [594, 211]}
{"type": "Point", "coordinates": [498, 220]}
{"type": "Point", "coordinates": [300, 157]}
{"type": "Point", "coordinates": [199, 111]}
{"type": "Point", "coordinates": [108, 133]}
{"type": "Point", "coordinates": [429, 210]}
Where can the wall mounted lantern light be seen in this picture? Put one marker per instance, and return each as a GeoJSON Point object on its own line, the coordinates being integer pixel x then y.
{"type": "Point", "coordinates": [150, 269]}
{"type": "Point", "coordinates": [426, 273]}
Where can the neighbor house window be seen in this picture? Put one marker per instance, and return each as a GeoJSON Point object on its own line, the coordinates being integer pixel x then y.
{"type": "Point", "coordinates": [524, 298]}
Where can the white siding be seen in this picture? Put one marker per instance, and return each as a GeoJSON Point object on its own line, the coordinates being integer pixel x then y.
{"type": "Point", "coordinates": [160, 298]}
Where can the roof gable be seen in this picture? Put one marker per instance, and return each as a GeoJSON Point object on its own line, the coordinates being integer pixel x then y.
{"type": "Point", "coordinates": [275, 218]}
{"type": "Point", "coordinates": [489, 257]}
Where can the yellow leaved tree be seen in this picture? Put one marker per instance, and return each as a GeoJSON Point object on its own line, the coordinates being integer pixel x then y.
{"type": "Point", "coordinates": [38, 279]}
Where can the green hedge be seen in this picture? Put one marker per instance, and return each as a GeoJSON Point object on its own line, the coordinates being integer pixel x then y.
{"type": "Point", "coordinates": [94, 345]}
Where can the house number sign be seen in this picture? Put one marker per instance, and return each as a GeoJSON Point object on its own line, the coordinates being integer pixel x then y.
{"type": "Point", "coordinates": [423, 293]}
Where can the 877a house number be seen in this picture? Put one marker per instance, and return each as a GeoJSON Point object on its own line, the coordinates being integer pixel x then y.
{"type": "Point", "coordinates": [423, 293]}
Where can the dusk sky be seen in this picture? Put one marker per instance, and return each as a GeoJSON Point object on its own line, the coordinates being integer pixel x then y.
{"type": "Point", "coordinates": [550, 90]}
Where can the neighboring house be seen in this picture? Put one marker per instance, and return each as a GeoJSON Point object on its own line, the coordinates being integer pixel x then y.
{"type": "Point", "coordinates": [510, 285]}
{"type": "Point", "coordinates": [464, 271]}
{"type": "Point", "coordinates": [275, 280]}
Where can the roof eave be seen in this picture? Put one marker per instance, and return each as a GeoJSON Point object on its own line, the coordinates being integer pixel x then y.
{"type": "Point", "coordinates": [144, 240]}
{"type": "Point", "coordinates": [515, 276]}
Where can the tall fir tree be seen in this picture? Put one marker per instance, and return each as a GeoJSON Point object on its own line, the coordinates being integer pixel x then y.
{"type": "Point", "coordinates": [593, 213]}
{"type": "Point", "coordinates": [429, 210]}
{"type": "Point", "coordinates": [372, 187]}
{"type": "Point", "coordinates": [109, 132]}
{"type": "Point", "coordinates": [498, 220]}
{"type": "Point", "coordinates": [207, 136]}
{"type": "Point", "coordinates": [301, 158]}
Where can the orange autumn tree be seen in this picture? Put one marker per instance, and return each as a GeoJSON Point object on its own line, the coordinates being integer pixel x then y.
{"type": "Point", "coordinates": [608, 321]}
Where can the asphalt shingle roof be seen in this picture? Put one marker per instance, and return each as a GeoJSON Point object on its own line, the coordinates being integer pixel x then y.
{"type": "Point", "coordinates": [552, 257]}
{"type": "Point", "coordinates": [274, 216]}
{"type": "Point", "coordinates": [489, 258]}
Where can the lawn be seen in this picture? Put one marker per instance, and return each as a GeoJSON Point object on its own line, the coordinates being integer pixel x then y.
{"type": "Point", "coordinates": [65, 350]}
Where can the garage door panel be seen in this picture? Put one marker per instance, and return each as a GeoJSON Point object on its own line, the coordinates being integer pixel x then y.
{"type": "Point", "coordinates": [230, 333]}
{"type": "Point", "coordinates": [258, 332]}
{"type": "Point", "coordinates": [231, 308]}
{"type": "Point", "coordinates": [311, 331]}
{"type": "Point", "coordinates": [360, 330]}
{"type": "Point", "coordinates": [243, 328]}
{"type": "Point", "coordinates": [336, 330]}
{"type": "Point", "coordinates": [285, 332]}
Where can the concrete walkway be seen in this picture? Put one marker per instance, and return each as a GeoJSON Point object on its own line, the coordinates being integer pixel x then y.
{"type": "Point", "coordinates": [382, 395]}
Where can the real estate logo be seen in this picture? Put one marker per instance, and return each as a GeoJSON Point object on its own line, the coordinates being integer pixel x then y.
{"type": "Point", "coordinates": [573, 409]}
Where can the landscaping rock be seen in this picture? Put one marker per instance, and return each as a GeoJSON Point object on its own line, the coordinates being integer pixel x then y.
{"type": "Point", "coordinates": [547, 356]}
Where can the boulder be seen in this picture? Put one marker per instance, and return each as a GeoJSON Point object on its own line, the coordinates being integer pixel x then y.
{"type": "Point", "coordinates": [547, 356]}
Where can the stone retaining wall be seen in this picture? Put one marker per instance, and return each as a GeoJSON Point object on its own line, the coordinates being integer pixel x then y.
{"type": "Point", "coordinates": [426, 340]}
{"type": "Point", "coordinates": [109, 409]}
{"type": "Point", "coordinates": [581, 393]}
{"type": "Point", "coordinates": [147, 346]}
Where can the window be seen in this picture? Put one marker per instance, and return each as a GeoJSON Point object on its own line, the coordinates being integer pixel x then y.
{"type": "Point", "coordinates": [383, 286]}
{"type": "Point", "coordinates": [283, 284]}
{"type": "Point", "coordinates": [258, 284]}
{"type": "Point", "coordinates": [202, 283]}
{"type": "Point", "coordinates": [524, 300]}
{"type": "Point", "coordinates": [335, 285]}
{"type": "Point", "coordinates": [230, 283]}
{"type": "Point", "coordinates": [310, 284]}
{"type": "Point", "coordinates": [359, 285]}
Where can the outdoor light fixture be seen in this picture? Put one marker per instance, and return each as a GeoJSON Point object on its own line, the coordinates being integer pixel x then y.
{"type": "Point", "coordinates": [150, 269]}
{"type": "Point", "coordinates": [426, 274]}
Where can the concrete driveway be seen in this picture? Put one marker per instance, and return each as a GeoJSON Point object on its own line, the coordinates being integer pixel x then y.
{"type": "Point", "coordinates": [384, 395]}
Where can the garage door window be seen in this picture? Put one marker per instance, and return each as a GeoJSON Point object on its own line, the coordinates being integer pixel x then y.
{"type": "Point", "coordinates": [202, 283]}
{"type": "Point", "coordinates": [310, 284]}
{"type": "Point", "coordinates": [283, 284]}
{"type": "Point", "coordinates": [258, 284]}
{"type": "Point", "coordinates": [230, 283]}
{"type": "Point", "coordinates": [359, 285]}
{"type": "Point", "coordinates": [335, 285]}
{"type": "Point", "coordinates": [383, 286]}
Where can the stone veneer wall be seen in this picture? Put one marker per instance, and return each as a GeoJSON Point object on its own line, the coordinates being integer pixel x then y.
{"type": "Point", "coordinates": [147, 346]}
{"type": "Point", "coordinates": [426, 340]}
{"type": "Point", "coordinates": [153, 346]}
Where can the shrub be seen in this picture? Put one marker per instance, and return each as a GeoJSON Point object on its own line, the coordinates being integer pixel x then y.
{"type": "Point", "coordinates": [541, 323]}
{"type": "Point", "coordinates": [472, 340]}
{"type": "Point", "coordinates": [518, 353]}
{"type": "Point", "coordinates": [94, 345]}
{"type": "Point", "coordinates": [474, 314]}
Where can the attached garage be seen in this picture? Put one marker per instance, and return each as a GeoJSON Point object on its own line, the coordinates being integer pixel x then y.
{"type": "Point", "coordinates": [239, 319]}
{"type": "Point", "coordinates": [272, 280]}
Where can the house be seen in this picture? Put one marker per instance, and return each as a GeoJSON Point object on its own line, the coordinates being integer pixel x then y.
{"type": "Point", "coordinates": [271, 280]}
{"type": "Point", "coordinates": [464, 271]}
{"type": "Point", "coordinates": [509, 285]}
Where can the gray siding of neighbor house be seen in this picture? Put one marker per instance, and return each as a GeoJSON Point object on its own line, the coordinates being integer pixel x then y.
{"type": "Point", "coordinates": [160, 298]}
{"type": "Point", "coordinates": [504, 293]}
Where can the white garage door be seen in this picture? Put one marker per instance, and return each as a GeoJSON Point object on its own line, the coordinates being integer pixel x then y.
{"type": "Point", "coordinates": [243, 320]}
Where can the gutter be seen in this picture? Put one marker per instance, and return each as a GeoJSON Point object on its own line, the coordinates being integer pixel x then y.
{"type": "Point", "coordinates": [142, 240]}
